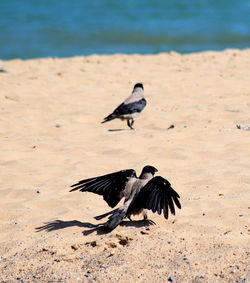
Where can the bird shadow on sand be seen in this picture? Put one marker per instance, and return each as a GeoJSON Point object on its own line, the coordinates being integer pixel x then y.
{"type": "Point", "coordinates": [60, 224]}
{"type": "Point", "coordinates": [98, 228]}
{"type": "Point", "coordinates": [138, 223]}
{"type": "Point", "coordinates": [116, 130]}
{"type": "Point", "coordinates": [135, 223]}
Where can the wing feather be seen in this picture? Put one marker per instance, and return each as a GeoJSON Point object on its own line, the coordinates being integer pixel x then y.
{"type": "Point", "coordinates": [165, 211]}
{"type": "Point", "coordinates": [171, 205]}
{"type": "Point", "coordinates": [160, 204]}
{"type": "Point", "coordinates": [157, 195]}
{"type": "Point", "coordinates": [177, 202]}
{"type": "Point", "coordinates": [136, 106]}
{"type": "Point", "coordinates": [155, 202]}
{"type": "Point", "coordinates": [110, 186]}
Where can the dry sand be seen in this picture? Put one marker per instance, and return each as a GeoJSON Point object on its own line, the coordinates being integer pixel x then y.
{"type": "Point", "coordinates": [51, 137]}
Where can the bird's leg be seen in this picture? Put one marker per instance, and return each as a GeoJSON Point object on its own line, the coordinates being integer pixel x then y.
{"type": "Point", "coordinates": [130, 124]}
{"type": "Point", "coordinates": [145, 216]}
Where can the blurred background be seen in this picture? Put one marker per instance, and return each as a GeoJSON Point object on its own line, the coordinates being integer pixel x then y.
{"type": "Point", "coordinates": [42, 28]}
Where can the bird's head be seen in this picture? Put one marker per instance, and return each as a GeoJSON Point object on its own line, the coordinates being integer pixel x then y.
{"type": "Point", "coordinates": [138, 85]}
{"type": "Point", "coordinates": [148, 170]}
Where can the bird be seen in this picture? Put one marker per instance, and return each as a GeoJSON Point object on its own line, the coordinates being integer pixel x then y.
{"type": "Point", "coordinates": [130, 108]}
{"type": "Point", "coordinates": [146, 192]}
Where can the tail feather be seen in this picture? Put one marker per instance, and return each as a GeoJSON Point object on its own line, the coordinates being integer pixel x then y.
{"type": "Point", "coordinates": [109, 118]}
{"type": "Point", "coordinates": [115, 220]}
{"type": "Point", "coordinates": [99, 217]}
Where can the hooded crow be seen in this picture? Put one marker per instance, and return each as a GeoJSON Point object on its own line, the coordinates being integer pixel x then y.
{"type": "Point", "coordinates": [140, 193]}
{"type": "Point", "coordinates": [130, 108]}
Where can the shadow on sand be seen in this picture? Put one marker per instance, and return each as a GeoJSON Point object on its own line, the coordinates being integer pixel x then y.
{"type": "Point", "coordinates": [99, 228]}
{"type": "Point", "coordinates": [116, 130]}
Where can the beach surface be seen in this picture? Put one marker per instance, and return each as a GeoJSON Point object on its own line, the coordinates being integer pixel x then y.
{"type": "Point", "coordinates": [51, 137]}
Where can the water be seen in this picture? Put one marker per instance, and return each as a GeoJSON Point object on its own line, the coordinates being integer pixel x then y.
{"type": "Point", "coordinates": [62, 28]}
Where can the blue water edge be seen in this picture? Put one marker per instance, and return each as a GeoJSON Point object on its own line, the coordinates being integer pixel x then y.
{"type": "Point", "coordinates": [42, 28]}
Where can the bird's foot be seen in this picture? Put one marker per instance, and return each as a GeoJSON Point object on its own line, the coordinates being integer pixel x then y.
{"type": "Point", "coordinates": [151, 222]}
{"type": "Point", "coordinates": [130, 124]}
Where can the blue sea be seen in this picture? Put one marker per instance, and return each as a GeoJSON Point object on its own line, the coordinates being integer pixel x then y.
{"type": "Point", "coordinates": [63, 28]}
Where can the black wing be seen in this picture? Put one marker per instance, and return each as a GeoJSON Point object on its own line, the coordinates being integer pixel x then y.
{"type": "Point", "coordinates": [157, 195]}
{"type": "Point", "coordinates": [124, 109]}
{"type": "Point", "coordinates": [133, 107]}
{"type": "Point", "coordinates": [110, 186]}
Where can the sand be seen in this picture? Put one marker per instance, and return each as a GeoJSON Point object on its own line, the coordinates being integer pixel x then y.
{"type": "Point", "coordinates": [51, 137]}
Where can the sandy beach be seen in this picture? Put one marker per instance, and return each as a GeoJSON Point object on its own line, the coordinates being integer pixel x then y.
{"type": "Point", "coordinates": [51, 137]}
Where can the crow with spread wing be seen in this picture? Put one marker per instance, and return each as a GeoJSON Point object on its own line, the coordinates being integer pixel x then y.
{"type": "Point", "coordinates": [140, 193]}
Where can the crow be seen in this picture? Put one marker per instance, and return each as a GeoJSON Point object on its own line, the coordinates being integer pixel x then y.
{"type": "Point", "coordinates": [140, 193]}
{"type": "Point", "coordinates": [130, 108]}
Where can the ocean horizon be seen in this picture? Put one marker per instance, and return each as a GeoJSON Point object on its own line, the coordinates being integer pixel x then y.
{"type": "Point", "coordinates": [50, 28]}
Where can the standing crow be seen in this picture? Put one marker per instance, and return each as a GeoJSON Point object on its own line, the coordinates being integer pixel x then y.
{"type": "Point", "coordinates": [130, 108]}
{"type": "Point", "coordinates": [140, 193]}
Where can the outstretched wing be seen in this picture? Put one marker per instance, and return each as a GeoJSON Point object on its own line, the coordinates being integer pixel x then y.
{"type": "Point", "coordinates": [157, 195]}
{"type": "Point", "coordinates": [110, 186]}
